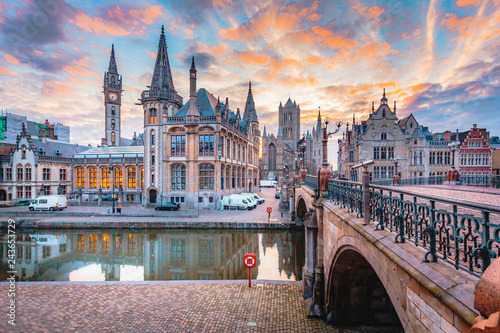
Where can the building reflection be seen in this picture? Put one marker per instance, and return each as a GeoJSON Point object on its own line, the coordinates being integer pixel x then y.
{"type": "Point", "coordinates": [291, 253]}
{"type": "Point", "coordinates": [172, 255]}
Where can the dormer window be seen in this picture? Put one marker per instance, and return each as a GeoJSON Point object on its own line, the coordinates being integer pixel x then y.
{"type": "Point", "coordinates": [40, 151]}
{"type": "Point", "coordinates": [383, 113]}
{"type": "Point", "coordinates": [58, 152]}
{"type": "Point", "coordinates": [411, 124]}
{"type": "Point", "coordinates": [383, 136]}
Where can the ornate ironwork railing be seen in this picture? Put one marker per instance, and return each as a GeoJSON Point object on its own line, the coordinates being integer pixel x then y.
{"type": "Point", "coordinates": [311, 181]}
{"type": "Point", "coordinates": [347, 194]}
{"type": "Point", "coordinates": [463, 233]}
{"type": "Point", "coordinates": [471, 180]}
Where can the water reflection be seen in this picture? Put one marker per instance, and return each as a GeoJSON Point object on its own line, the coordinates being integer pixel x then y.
{"type": "Point", "coordinates": [125, 255]}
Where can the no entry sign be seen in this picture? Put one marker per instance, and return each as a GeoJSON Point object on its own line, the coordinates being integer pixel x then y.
{"type": "Point", "coordinates": [249, 261]}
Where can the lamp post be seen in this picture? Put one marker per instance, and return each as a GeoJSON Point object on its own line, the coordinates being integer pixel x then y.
{"type": "Point", "coordinates": [395, 178]}
{"type": "Point", "coordinates": [452, 175]}
{"type": "Point", "coordinates": [325, 173]}
{"type": "Point", "coordinates": [302, 154]}
{"type": "Point", "coordinates": [111, 168]}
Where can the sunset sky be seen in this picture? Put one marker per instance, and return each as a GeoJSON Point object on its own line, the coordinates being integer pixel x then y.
{"type": "Point", "coordinates": [440, 60]}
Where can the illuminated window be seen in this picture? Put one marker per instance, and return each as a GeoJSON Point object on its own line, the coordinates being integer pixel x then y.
{"type": "Point", "coordinates": [105, 243]}
{"type": "Point", "coordinates": [105, 177]}
{"type": "Point", "coordinates": [80, 178]}
{"type": "Point", "coordinates": [153, 117]}
{"type": "Point", "coordinates": [142, 177]}
{"type": "Point", "coordinates": [92, 177]}
{"type": "Point", "coordinates": [113, 138]}
{"type": "Point", "coordinates": [118, 177]}
{"type": "Point", "coordinates": [93, 243]}
{"type": "Point", "coordinates": [131, 178]}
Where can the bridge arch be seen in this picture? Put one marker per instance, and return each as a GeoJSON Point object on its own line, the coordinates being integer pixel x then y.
{"type": "Point", "coordinates": [301, 209]}
{"type": "Point", "coordinates": [358, 291]}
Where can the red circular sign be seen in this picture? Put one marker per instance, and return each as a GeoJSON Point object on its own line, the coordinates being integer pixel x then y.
{"type": "Point", "coordinates": [269, 244]}
{"type": "Point", "coordinates": [249, 260]}
{"type": "Point", "coordinates": [269, 209]}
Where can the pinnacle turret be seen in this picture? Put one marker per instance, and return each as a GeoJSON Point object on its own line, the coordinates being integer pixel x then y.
{"type": "Point", "coordinates": [250, 114]}
{"type": "Point", "coordinates": [162, 75]}
{"type": "Point", "coordinates": [112, 61]}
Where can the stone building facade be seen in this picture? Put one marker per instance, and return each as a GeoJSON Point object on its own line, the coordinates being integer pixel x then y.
{"type": "Point", "coordinates": [194, 153]}
{"type": "Point", "coordinates": [476, 153]}
{"type": "Point", "coordinates": [36, 166]}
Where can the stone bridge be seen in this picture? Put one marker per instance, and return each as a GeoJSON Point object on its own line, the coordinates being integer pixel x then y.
{"type": "Point", "coordinates": [356, 274]}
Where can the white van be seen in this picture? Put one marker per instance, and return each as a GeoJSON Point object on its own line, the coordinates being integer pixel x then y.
{"type": "Point", "coordinates": [256, 197]}
{"type": "Point", "coordinates": [49, 202]}
{"type": "Point", "coordinates": [249, 198]}
{"type": "Point", "coordinates": [268, 183]}
{"type": "Point", "coordinates": [235, 202]}
{"type": "Point", "coordinates": [49, 239]}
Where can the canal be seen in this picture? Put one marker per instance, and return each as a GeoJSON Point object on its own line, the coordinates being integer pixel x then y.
{"type": "Point", "coordinates": [146, 255]}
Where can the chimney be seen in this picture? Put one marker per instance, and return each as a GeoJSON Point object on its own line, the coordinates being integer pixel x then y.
{"type": "Point", "coordinates": [42, 134]}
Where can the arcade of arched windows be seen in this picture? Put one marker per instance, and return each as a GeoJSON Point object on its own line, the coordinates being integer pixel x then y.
{"type": "Point", "coordinates": [95, 177]}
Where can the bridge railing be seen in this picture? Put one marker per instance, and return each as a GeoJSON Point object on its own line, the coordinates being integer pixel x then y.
{"type": "Point", "coordinates": [463, 233]}
{"type": "Point", "coordinates": [311, 181]}
{"type": "Point", "coordinates": [471, 180]}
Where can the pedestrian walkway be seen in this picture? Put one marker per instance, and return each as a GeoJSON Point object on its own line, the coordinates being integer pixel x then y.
{"type": "Point", "coordinates": [482, 195]}
{"type": "Point", "coordinates": [226, 306]}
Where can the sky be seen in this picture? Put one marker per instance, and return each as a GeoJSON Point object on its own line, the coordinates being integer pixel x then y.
{"type": "Point", "coordinates": [440, 60]}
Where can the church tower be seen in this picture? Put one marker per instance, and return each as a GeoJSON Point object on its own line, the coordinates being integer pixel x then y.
{"type": "Point", "coordinates": [289, 122]}
{"type": "Point", "coordinates": [159, 101]}
{"type": "Point", "coordinates": [112, 90]}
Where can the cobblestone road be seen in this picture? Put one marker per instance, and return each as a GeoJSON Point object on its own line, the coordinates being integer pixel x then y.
{"type": "Point", "coordinates": [163, 307]}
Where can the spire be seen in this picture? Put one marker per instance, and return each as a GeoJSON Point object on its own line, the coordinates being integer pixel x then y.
{"type": "Point", "coordinates": [193, 109]}
{"type": "Point", "coordinates": [112, 61]}
{"type": "Point", "coordinates": [281, 105]}
{"type": "Point", "coordinates": [193, 67]}
{"type": "Point", "coordinates": [250, 114]}
{"type": "Point", "coordinates": [279, 132]}
{"type": "Point", "coordinates": [289, 103]}
{"type": "Point", "coordinates": [264, 134]}
{"type": "Point", "coordinates": [162, 76]}
{"type": "Point", "coordinates": [383, 100]}
{"type": "Point", "coordinates": [319, 115]}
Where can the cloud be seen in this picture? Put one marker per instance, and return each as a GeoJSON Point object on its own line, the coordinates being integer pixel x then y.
{"type": "Point", "coordinates": [11, 59]}
{"type": "Point", "coordinates": [118, 20]}
{"type": "Point", "coordinates": [6, 71]}
{"type": "Point", "coordinates": [202, 60]}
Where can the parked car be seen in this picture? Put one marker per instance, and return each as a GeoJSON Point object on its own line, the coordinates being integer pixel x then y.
{"type": "Point", "coordinates": [49, 202]}
{"type": "Point", "coordinates": [22, 203]}
{"type": "Point", "coordinates": [255, 197]}
{"type": "Point", "coordinates": [168, 206]}
{"type": "Point", "coordinates": [105, 198]}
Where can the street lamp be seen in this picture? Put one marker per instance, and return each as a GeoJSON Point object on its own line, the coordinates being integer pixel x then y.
{"type": "Point", "coordinates": [302, 154]}
{"type": "Point", "coordinates": [325, 173]}
{"type": "Point", "coordinates": [452, 175]}
{"type": "Point", "coordinates": [395, 179]}
{"type": "Point", "coordinates": [111, 168]}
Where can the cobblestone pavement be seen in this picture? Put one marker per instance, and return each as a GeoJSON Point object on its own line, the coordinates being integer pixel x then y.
{"type": "Point", "coordinates": [164, 307]}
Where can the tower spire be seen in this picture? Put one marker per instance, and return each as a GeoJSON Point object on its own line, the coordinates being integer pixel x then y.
{"type": "Point", "coordinates": [250, 114]}
{"type": "Point", "coordinates": [112, 61]}
{"type": "Point", "coordinates": [383, 100]}
{"type": "Point", "coordinates": [162, 75]}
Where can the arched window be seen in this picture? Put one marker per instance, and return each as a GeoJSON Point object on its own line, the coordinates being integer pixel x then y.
{"type": "Point", "coordinates": [19, 174]}
{"type": "Point", "coordinates": [105, 177]}
{"type": "Point", "coordinates": [271, 157]}
{"type": "Point", "coordinates": [23, 152]}
{"type": "Point", "coordinates": [152, 138]}
{"type": "Point", "coordinates": [80, 178]}
{"type": "Point", "coordinates": [222, 177]}
{"type": "Point", "coordinates": [178, 172]}
{"type": "Point", "coordinates": [113, 138]}
{"type": "Point", "coordinates": [153, 116]}
{"type": "Point", "coordinates": [112, 110]}
{"type": "Point", "coordinates": [233, 182]}
{"type": "Point", "coordinates": [113, 80]}
{"type": "Point", "coordinates": [112, 124]}
{"type": "Point", "coordinates": [27, 171]}
{"type": "Point", "coordinates": [207, 176]}
{"type": "Point", "coordinates": [383, 113]}
{"type": "Point", "coordinates": [118, 177]}
{"type": "Point", "coordinates": [228, 177]}
{"type": "Point", "coordinates": [131, 178]}
{"type": "Point", "coordinates": [142, 177]}
{"type": "Point", "coordinates": [383, 136]}
{"type": "Point", "coordinates": [92, 177]}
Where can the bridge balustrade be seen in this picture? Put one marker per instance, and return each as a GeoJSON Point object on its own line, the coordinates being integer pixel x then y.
{"type": "Point", "coordinates": [462, 233]}
{"type": "Point", "coordinates": [311, 181]}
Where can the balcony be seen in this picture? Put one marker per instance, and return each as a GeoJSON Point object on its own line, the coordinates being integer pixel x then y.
{"type": "Point", "coordinates": [148, 95]}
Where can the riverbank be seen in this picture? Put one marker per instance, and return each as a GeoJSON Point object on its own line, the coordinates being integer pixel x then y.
{"type": "Point", "coordinates": [162, 306]}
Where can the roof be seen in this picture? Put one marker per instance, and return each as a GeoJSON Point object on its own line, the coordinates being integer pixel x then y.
{"type": "Point", "coordinates": [289, 103]}
{"type": "Point", "coordinates": [122, 151]}
{"type": "Point", "coordinates": [205, 101]}
{"type": "Point", "coordinates": [65, 149]}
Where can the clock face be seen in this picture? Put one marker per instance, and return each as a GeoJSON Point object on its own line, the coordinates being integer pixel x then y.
{"type": "Point", "coordinates": [113, 96]}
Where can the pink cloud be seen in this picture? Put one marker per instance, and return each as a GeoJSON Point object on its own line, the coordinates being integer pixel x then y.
{"type": "Point", "coordinates": [6, 71]}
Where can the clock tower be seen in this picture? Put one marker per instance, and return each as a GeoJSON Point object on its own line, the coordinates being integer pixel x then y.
{"type": "Point", "coordinates": [112, 102]}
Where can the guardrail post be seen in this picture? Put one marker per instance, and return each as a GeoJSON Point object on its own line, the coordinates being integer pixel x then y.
{"type": "Point", "coordinates": [431, 230]}
{"type": "Point", "coordinates": [366, 197]}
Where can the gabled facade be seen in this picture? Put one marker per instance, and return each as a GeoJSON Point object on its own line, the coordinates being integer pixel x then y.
{"type": "Point", "coordinates": [476, 154]}
{"type": "Point", "coordinates": [195, 153]}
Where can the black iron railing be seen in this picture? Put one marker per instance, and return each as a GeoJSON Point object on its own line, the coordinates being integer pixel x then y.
{"type": "Point", "coordinates": [487, 181]}
{"type": "Point", "coordinates": [463, 233]}
{"type": "Point", "coordinates": [471, 180]}
{"type": "Point", "coordinates": [311, 181]}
